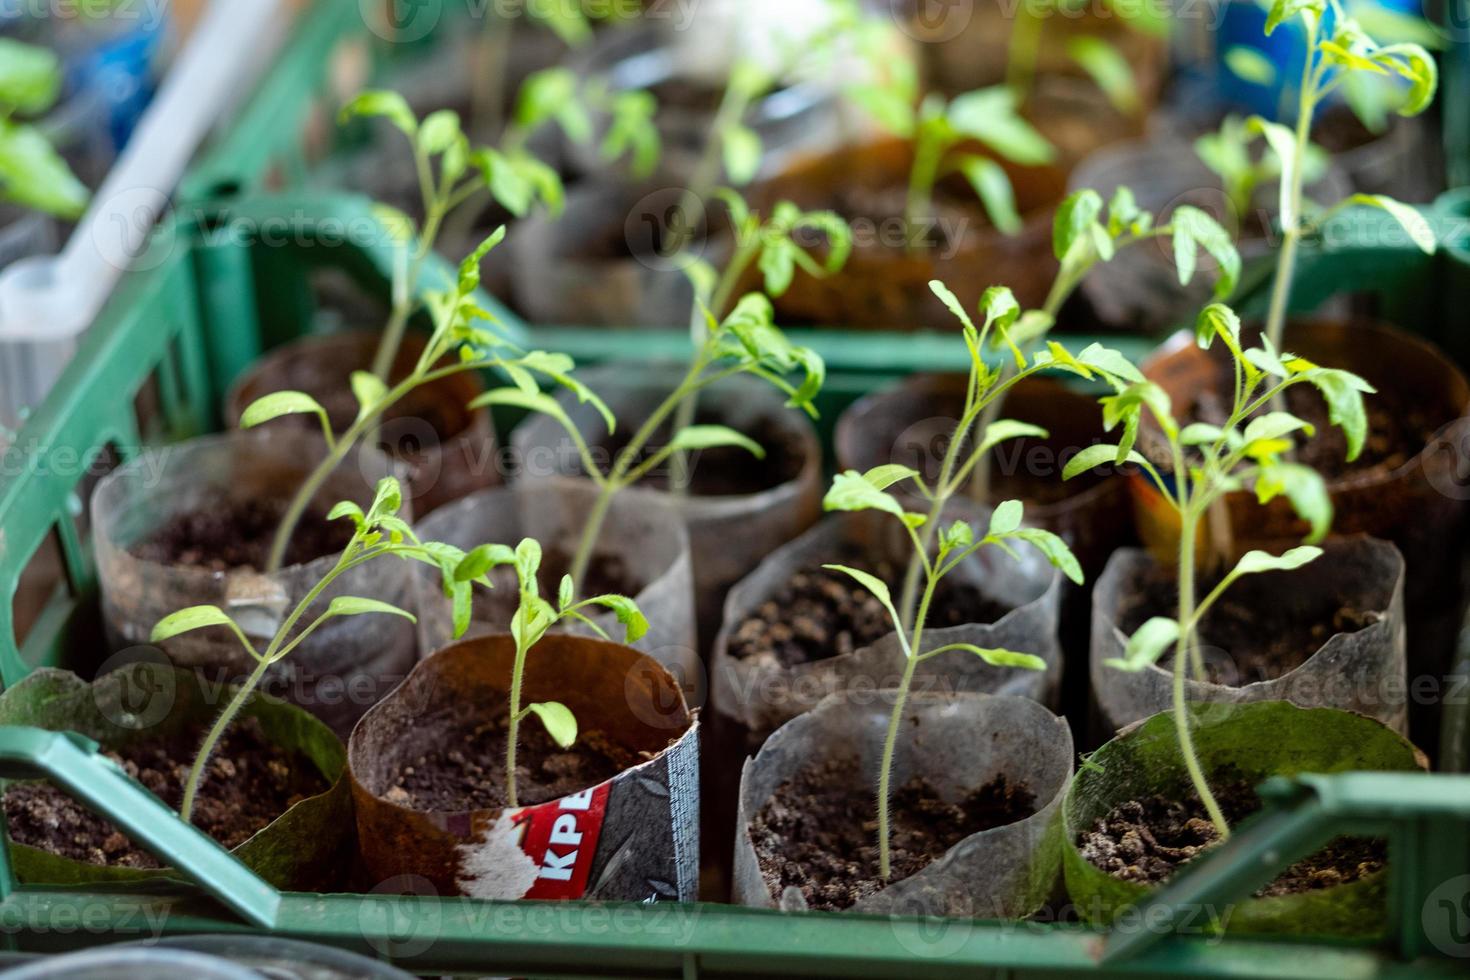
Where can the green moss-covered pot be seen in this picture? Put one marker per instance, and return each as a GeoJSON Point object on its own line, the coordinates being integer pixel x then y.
{"type": "Point", "coordinates": [1252, 742]}
{"type": "Point", "coordinates": [307, 848]}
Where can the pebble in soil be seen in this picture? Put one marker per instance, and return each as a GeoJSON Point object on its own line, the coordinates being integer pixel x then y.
{"type": "Point", "coordinates": [822, 613]}
{"type": "Point", "coordinates": [248, 782]}
{"type": "Point", "coordinates": [818, 832]}
{"type": "Point", "coordinates": [1147, 840]}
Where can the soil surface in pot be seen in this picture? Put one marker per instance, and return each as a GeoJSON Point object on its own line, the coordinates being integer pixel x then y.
{"type": "Point", "coordinates": [464, 767]}
{"type": "Point", "coordinates": [248, 782]}
{"type": "Point", "coordinates": [1146, 841]}
{"type": "Point", "coordinates": [819, 831]}
{"type": "Point", "coordinates": [821, 613]}
{"type": "Point", "coordinates": [239, 536]}
{"type": "Point", "coordinates": [728, 471]}
{"type": "Point", "coordinates": [1247, 642]}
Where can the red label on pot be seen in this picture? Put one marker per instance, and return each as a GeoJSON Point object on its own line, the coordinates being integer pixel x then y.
{"type": "Point", "coordinates": [561, 838]}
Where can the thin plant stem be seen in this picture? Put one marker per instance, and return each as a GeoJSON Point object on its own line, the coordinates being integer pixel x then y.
{"type": "Point", "coordinates": [1182, 653]}
{"type": "Point", "coordinates": [512, 734]}
{"type": "Point", "coordinates": [890, 740]}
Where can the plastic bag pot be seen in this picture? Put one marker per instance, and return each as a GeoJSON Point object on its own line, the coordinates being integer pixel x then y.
{"type": "Point", "coordinates": [344, 666]}
{"type": "Point", "coordinates": [728, 534]}
{"type": "Point", "coordinates": [449, 450]}
{"type": "Point", "coordinates": [643, 55]}
{"type": "Point", "coordinates": [306, 848]}
{"type": "Point", "coordinates": [633, 837]}
{"type": "Point", "coordinates": [1250, 742]}
{"type": "Point", "coordinates": [761, 693]}
{"type": "Point", "coordinates": [1140, 287]}
{"type": "Point", "coordinates": [1360, 670]}
{"type": "Point", "coordinates": [1418, 504]}
{"type": "Point", "coordinates": [884, 285]}
{"type": "Point", "coordinates": [957, 743]}
{"type": "Point", "coordinates": [643, 532]}
{"type": "Point", "coordinates": [602, 262]}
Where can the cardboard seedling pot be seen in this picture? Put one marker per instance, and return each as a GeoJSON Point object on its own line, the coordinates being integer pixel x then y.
{"type": "Point", "coordinates": [1244, 741]}
{"type": "Point", "coordinates": [634, 837]}
{"type": "Point", "coordinates": [643, 533]}
{"type": "Point", "coordinates": [344, 666]}
{"type": "Point", "coordinates": [449, 450]}
{"type": "Point", "coordinates": [1361, 670]}
{"type": "Point", "coordinates": [957, 743]}
{"type": "Point", "coordinates": [728, 534]}
{"type": "Point", "coordinates": [307, 848]}
{"type": "Point", "coordinates": [884, 284]}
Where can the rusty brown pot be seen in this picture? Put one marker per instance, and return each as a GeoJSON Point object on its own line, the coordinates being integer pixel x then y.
{"type": "Point", "coordinates": [449, 449]}
{"type": "Point", "coordinates": [884, 285]}
{"type": "Point", "coordinates": [630, 838]}
{"type": "Point", "coordinates": [1419, 504]}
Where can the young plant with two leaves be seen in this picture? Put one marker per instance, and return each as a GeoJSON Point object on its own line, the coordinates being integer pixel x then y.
{"type": "Point", "coordinates": [461, 341]}
{"type": "Point", "coordinates": [534, 618]}
{"type": "Point", "coordinates": [378, 533]}
{"type": "Point", "coordinates": [1103, 63]}
{"type": "Point", "coordinates": [1335, 56]}
{"type": "Point", "coordinates": [853, 491]}
{"type": "Point", "coordinates": [455, 178]}
{"type": "Point", "coordinates": [1249, 450]}
{"type": "Point", "coordinates": [32, 174]}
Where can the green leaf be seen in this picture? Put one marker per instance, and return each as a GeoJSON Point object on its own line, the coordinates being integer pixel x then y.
{"type": "Point", "coordinates": [878, 589]}
{"type": "Point", "coordinates": [1218, 320]}
{"type": "Point", "coordinates": [1110, 362]}
{"type": "Point", "coordinates": [957, 536]}
{"type": "Point", "coordinates": [1055, 550]}
{"type": "Point", "coordinates": [1108, 68]}
{"type": "Point", "coordinates": [34, 175]}
{"type": "Point", "coordinates": [558, 720]}
{"type": "Point", "coordinates": [850, 491]}
{"type": "Point", "coordinates": [634, 623]}
{"type": "Point", "coordinates": [280, 403]}
{"type": "Point", "coordinates": [543, 96]}
{"type": "Point", "coordinates": [1006, 518]}
{"type": "Point", "coordinates": [380, 102]}
{"type": "Point", "coordinates": [778, 266]}
{"type": "Point", "coordinates": [741, 150]}
{"type": "Point", "coordinates": [479, 560]}
{"type": "Point", "coordinates": [950, 300]}
{"type": "Point", "coordinates": [991, 184]}
{"type": "Point", "coordinates": [1282, 11]}
{"type": "Point", "coordinates": [1003, 430]}
{"type": "Point", "coordinates": [1255, 562]}
{"type": "Point", "coordinates": [387, 498]}
{"type": "Point", "coordinates": [1283, 144]}
{"type": "Point", "coordinates": [438, 132]}
{"type": "Point", "coordinates": [885, 476]}
{"type": "Point", "coordinates": [1200, 434]}
{"type": "Point", "coordinates": [1094, 456]}
{"type": "Point", "coordinates": [1343, 393]}
{"type": "Point", "coordinates": [510, 189]}
{"type": "Point", "coordinates": [1416, 65]}
{"type": "Point", "coordinates": [1076, 214]}
{"type": "Point", "coordinates": [1420, 231]}
{"type": "Point", "coordinates": [368, 389]}
{"type": "Point", "coordinates": [712, 437]}
{"type": "Point", "coordinates": [990, 115]}
{"type": "Point", "coordinates": [186, 620]}
{"type": "Point", "coordinates": [347, 605]}
{"type": "Point", "coordinates": [30, 76]}
{"type": "Point", "coordinates": [1148, 643]}
{"type": "Point", "coordinates": [1304, 488]}
{"type": "Point", "coordinates": [1250, 65]}
{"type": "Point", "coordinates": [1003, 658]}
{"type": "Point", "coordinates": [1275, 425]}
{"type": "Point", "coordinates": [462, 608]}
{"type": "Point", "coordinates": [346, 508]}
{"type": "Point", "coordinates": [1194, 229]}
{"type": "Point", "coordinates": [566, 592]}
{"type": "Point", "coordinates": [528, 563]}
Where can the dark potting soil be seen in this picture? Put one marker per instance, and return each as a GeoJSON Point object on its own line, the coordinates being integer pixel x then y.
{"type": "Point", "coordinates": [952, 215]}
{"type": "Point", "coordinates": [728, 471]}
{"type": "Point", "coordinates": [1245, 644]}
{"type": "Point", "coordinates": [819, 831]}
{"type": "Point", "coordinates": [249, 781]}
{"type": "Point", "coordinates": [1146, 841]}
{"type": "Point", "coordinates": [465, 770]}
{"type": "Point", "coordinates": [821, 613]}
{"type": "Point", "coordinates": [239, 535]}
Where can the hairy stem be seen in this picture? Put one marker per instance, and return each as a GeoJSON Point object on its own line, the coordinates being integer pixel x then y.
{"type": "Point", "coordinates": [216, 732]}
{"type": "Point", "coordinates": [1182, 654]}
{"type": "Point", "coordinates": [512, 734]}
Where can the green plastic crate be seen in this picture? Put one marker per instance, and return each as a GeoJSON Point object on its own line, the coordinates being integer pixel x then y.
{"type": "Point", "coordinates": [202, 307]}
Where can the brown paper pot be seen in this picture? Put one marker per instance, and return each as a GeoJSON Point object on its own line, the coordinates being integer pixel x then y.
{"type": "Point", "coordinates": [449, 449]}
{"type": "Point", "coordinates": [1418, 504]}
{"type": "Point", "coordinates": [1360, 670]}
{"type": "Point", "coordinates": [884, 285]}
{"type": "Point", "coordinates": [728, 533]}
{"type": "Point", "coordinates": [634, 837]}
{"type": "Point", "coordinates": [643, 534]}
{"type": "Point", "coordinates": [761, 693]}
{"type": "Point", "coordinates": [957, 743]}
{"type": "Point", "coordinates": [347, 664]}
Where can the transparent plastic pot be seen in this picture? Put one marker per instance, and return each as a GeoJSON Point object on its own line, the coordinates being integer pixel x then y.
{"type": "Point", "coordinates": [760, 693]}
{"type": "Point", "coordinates": [131, 964]}
{"type": "Point", "coordinates": [347, 664]}
{"type": "Point", "coordinates": [601, 262]}
{"type": "Point", "coordinates": [957, 743]}
{"type": "Point", "coordinates": [728, 534]}
{"type": "Point", "coordinates": [642, 531]}
{"type": "Point", "coordinates": [1140, 287]}
{"type": "Point", "coordinates": [449, 450]}
{"type": "Point", "coordinates": [1363, 671]}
